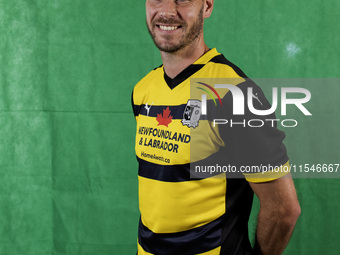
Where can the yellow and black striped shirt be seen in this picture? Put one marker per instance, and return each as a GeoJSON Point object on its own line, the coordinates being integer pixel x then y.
{"type": "Point", "coordinates": [183, 215]}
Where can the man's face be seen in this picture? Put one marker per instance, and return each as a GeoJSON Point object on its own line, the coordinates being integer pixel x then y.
{"type": "Point", "coordinates": [174, 24]}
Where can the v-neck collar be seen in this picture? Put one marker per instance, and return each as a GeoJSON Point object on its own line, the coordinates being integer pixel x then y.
{"type": "Point", "coordinates": [190, 70]}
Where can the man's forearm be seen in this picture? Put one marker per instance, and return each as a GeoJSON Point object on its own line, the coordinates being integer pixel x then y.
{"type": "Point", "coordinates": [274, 229]}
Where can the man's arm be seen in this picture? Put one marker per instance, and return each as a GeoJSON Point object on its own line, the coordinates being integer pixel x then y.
{"type": "Point", "coordinates": [279, 211]}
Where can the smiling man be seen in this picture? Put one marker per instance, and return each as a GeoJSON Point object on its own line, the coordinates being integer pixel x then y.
{"type": "Point", "coordinates": [182, 215]}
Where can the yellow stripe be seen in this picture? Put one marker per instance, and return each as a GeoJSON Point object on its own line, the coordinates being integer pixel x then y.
{"type": "Point", "coordinates": [175, 125]}
{"type": "Point", "coordinates": [212, 252]}
{"type": "Point", "coordinates": [142, 252]}
{"type": "Point", "coordinates": [178, 152]}
{"type": "Point", "coordinates": [205, 141]}
{"type": "Point", "coordinates": [160, 94]}
{"type": "Point", "coordinates": [170, 207]}
{"type": "Point", "coordinates": [270, 175]}
{"type": "Point", "coordinates": [206, 57]}
{"type": "Point", "coordinates": [153, 89]}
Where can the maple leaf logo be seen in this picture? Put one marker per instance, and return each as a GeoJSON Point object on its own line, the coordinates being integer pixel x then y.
{"type": "Point", "coordinates": [164, 119]}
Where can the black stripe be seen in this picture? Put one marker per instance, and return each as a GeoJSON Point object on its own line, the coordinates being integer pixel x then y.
{"type": "Point", "coordinates": [184, 172]}
{"type": "Point", "coordinates": [135, 108]}
{"type": "Point", "coordinates": [194, 241]}
{"type": "Point", "coordinates": [167, 173]}
{"type": "Point", "coordinates": [220, 59]}
{"type": "Point", "coordinates": [176, 110]}
{"type": "Point", "coordinates": [182, 76]}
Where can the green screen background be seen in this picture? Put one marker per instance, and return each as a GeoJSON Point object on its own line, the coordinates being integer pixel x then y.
{"type": "Point", "coordinates": [68, 173]}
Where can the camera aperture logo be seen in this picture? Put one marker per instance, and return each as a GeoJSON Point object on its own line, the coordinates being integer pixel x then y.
{"type": "Point", "coordinates": [240, 101]}
{"type": "Point", "coordinates": [213, 90]}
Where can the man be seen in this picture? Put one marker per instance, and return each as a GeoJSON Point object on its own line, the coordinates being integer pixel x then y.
{"type": "Point", "coordinates": [179, 214]}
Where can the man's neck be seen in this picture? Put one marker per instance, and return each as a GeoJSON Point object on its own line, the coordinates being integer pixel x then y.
{"type": "Point", "coordinates": [176, 62]}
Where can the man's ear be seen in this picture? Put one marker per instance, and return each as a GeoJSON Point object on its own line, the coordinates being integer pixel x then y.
{"type": "Point", "coordinates": [208, 7]}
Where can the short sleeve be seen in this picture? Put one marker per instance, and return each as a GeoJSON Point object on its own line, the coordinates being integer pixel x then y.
{"type": "Point", "coordinates": [135, 108]}
{"type": "Point", "coordinates": [253, 143]}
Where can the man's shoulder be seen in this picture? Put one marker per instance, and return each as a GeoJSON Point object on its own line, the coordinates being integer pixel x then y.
{"type": "Point", "coordinates": [223, 68]}
{"type": "Point", "coordinates": [156, 73]}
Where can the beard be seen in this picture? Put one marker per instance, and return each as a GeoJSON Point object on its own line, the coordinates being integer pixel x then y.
{"type": "Point", "coordinates": [186, 39]}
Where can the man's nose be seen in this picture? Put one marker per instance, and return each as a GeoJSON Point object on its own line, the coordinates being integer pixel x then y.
{"type": "Point", "coordinates": [168, 9]}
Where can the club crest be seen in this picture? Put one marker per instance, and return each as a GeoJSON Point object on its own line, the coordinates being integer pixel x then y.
{"type": "Point", "coordinates": [192, 113]}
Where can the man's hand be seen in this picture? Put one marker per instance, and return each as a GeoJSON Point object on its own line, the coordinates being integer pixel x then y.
{"type": "Point", "coordinates": [279, 211]}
